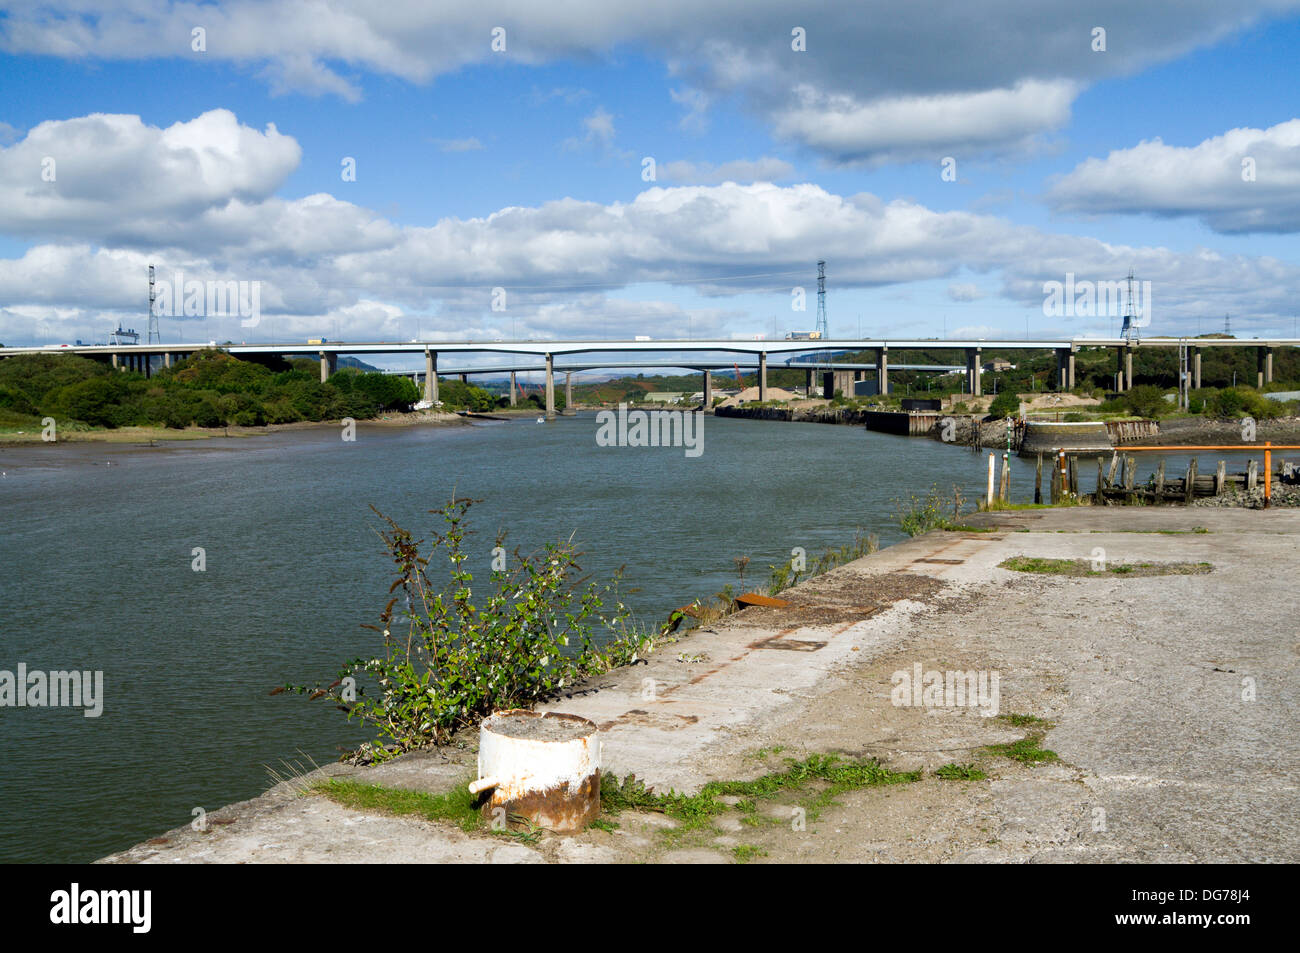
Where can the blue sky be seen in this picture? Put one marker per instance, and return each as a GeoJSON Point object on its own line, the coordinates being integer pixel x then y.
{"type": "Point", "coordinates": [835, 151]}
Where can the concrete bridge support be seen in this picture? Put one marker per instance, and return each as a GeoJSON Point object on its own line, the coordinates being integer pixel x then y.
{"type": "Point", "coordinates": [431, 376]}
{"type": "Point", "coordinates": [708, 388]}
{"type": "Point", "coordinates": [882, 371]}
{"type": "Point", "coordinates": [1128, 368]}
{"type": "Point", "coordinates": [1196, 368]}
{"type": "Point", "coordinates": [568, 392]}
{"type": "Point", "coordinates": [514, 390]}
{"type": "Point", "coordinates": [1065, 369]}
{"type": "Point", "coordinates": [1264, 366]}
{"type": "Point", "coordinates": [762, 375]}
{"type": "Point", "coordinates": [329, 363]}
{"type": "Point", "coordinates": [464, 378]}
{"type": "Point", "coordinates": [808, 387]}
{"type": "Point", "coordinates": [974, 370]}
{"type": "Point", "coordinates": [167, 359]}
{"type": "Point", "coordinates": [550, 387]}
{"type": "Point", "coordinates": [113, 357]}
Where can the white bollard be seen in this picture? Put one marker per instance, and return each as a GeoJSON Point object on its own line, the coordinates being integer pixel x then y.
{"type": "Point", "coordinates": [543, 767]}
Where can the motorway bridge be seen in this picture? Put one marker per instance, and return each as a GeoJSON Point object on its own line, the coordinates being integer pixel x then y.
{"type": "Point", "coordinates": [693, 354]}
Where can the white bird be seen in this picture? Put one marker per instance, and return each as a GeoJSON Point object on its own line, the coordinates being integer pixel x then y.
{"type": "Point", "coordinates": [541, 420]}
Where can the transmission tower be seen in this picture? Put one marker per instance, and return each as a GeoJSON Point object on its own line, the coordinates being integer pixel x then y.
{"type": "Point", "coordinates": [1129, 330]}
{"type": "Point", "coordinates": [154, 334]}
{"type": "Point", "coordinates": [821, 331]}
{"type": "Point", "coordinates": [1227, 326]}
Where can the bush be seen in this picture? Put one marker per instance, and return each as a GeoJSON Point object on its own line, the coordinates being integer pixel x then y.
{"type": "Point", "coordinates": [1006, 404]}
{"type": "Point", "coordinates": [1146, 400]}
{"type": "Point", "coordinates": [455, 662]}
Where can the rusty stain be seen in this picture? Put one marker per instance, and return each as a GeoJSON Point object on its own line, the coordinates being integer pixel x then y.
{"type": "Point", "coordinates": [758, 599]}
{"type": "Point", "coordinates": [790, 645]}
{"type": "Point", "coordinates": [556, 808]}
{"type": "Point", "coordinates": [945, 562]}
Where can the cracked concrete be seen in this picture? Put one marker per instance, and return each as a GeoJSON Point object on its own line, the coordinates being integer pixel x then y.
{"type": "Point", "coordinates": [1146, 681]}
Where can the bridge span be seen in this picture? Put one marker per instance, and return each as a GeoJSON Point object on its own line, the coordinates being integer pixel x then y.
{"type": "Point", "coordinates": [142, 356]}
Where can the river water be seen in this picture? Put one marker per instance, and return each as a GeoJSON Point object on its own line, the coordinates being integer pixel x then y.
{"type": "Point", "coordinates": [96, 573]}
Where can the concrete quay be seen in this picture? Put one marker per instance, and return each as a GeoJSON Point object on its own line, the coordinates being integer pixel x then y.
{"type": "Point", "coordinates": [1174, 702]}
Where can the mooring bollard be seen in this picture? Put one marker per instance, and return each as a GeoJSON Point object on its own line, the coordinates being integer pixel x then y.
{"type": "Point", "coordinates": [541, 767]}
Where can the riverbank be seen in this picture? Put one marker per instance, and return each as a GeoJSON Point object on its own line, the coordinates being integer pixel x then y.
{"type": "Point", "coordinates": [1113, 739]}
{"type": "Point", "coordinates": [159, 434]}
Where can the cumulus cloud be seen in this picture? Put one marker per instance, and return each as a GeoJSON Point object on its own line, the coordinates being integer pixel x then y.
{"type": "Point", "coordinates": [965, 291]}
{"type": "Point", "coordinates": [764, 169]}
{"type": "Point", "coordinates": [900, 129]}
{"type": "Point", "coordinates": [1246, 180]}
{"type": "Point", "coordinates": [867, 65]}
{"type": "Point", "coordinates": [103, 173]}
{"type": "Point", "coordinates": [562, 263]}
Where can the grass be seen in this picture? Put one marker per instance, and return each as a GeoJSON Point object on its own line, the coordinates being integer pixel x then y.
{"type": "Point", "coordinates": [819, 777]}
{"type": "Point", "coordinates": [1026, 750]}
{"type": "Point", "coordinates": [456, 807]}
{"type": "Point", "coordinates": [1026, 721]}
{"type": "Point", "coordinates": [744, 853]}
{"type": "Point", "coordinates": [960, 772]}
{"type": "Point", "coordinates": [1083, 567]}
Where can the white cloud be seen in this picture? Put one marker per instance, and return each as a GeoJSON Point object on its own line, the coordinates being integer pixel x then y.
{"type": "Point", "coordinates": [1246, 180]}
{"type": "Point", "coordinates": [561, 262]}
{"type": "Point", "coordinates": [965, 291]}
{"type": "Point", "coordinates": [867, 64]}
{"type": "Point", "coordinates": [902, 129]}
{"type": "Point", "coordinates": [764, 169]}
{"type": "Point", "coordinates": [103, 174]}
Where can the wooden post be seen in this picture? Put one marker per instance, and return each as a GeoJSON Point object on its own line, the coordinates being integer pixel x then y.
{"type": "Point", "coordinates": [1123, 472]}
{"type": "Point", "coordinates": [989, 496]}
{"type": "Point", "coordinates": [1189, 488]}
{"type": "Point", "coordinates": [1055, 489]}
{"type": "Point", "coordinates": [1074, 477]}
{"type": "Point", "coordinates": [1101, 479]}
{"type": "Point", "coordinates": [1004, 486]}
{"type": "Point", "coordinates": [1252, 474]}
{"type": "Point", "coordinates": [1038, 480]}
{"type": "Point", "coordinates": [1110, 476]}
{"type": "Point", "coordinates": [1220, 478]}
{"type": "Point", "coordinates": [1160, 480]}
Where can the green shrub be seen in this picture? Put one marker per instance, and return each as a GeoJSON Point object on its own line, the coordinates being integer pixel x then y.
{"type": "Point", "coordinates": [1006, 404]}
{"type": "Point", "coordinates": [1146, 400]}
{"type": "Point", "coordinates": [447, 662]}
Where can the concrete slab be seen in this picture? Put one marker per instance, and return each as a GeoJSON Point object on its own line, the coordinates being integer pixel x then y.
{"type": "Point", "coordinates": [1174, 702]}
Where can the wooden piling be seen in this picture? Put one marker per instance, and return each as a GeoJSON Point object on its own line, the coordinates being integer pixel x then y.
{"type": "Point", "coordinates": [1110, 476]}
{"type": "Point", "coordinates": [1160, 480]}
{"type": "Point", "coordinates": [1189, 485]}
{"type": "Point", "coordinates": [1101, 480]}
{"type": "Point", "coordinates": [1252, 474]}
{"type": "Point", "coordinates": [1220, 478]}
{"type": "Point", "coordinates": [1038, 480]}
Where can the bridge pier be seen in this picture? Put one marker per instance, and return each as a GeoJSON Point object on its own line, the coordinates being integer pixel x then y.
{"type": "Point", "coordinates": [974, 370]}
{"type": "Point", "coordinates": [514, 391]}
{"type": "Point", "coordinates": [464, 378]}
{"type": "Point", "coordinates": [550, 387]}
{"type": "Point", "coordinates": [431, 376]}
{"type": "Point", "coordinates": [882, 371]}
{"type": "Point", "coordinates": [167, 359]}
{"type": "Point", "coordinates": [808, 386]}
{"type": "Point", "coordinates": [1196, 368]}
{"type": "Point", "coordinates": [568, 392]}
{"type": "Point", "coordinates": [1263, 366]}
{"type": "Point", "coordinates": [329, 363]}
{"type": "Point", "coordinates": [708, 389]}
{"type": "Point", "coordinates": [1065, 368]}
{"type": "Point", "coordinates": [762, 375]}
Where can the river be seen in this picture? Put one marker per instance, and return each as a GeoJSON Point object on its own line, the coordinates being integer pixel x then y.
{"type": "Point", "coordinates": [97, 573]}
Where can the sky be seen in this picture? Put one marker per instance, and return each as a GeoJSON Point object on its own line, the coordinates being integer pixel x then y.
{"type": "Point", "coordinates": [399, 171]}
